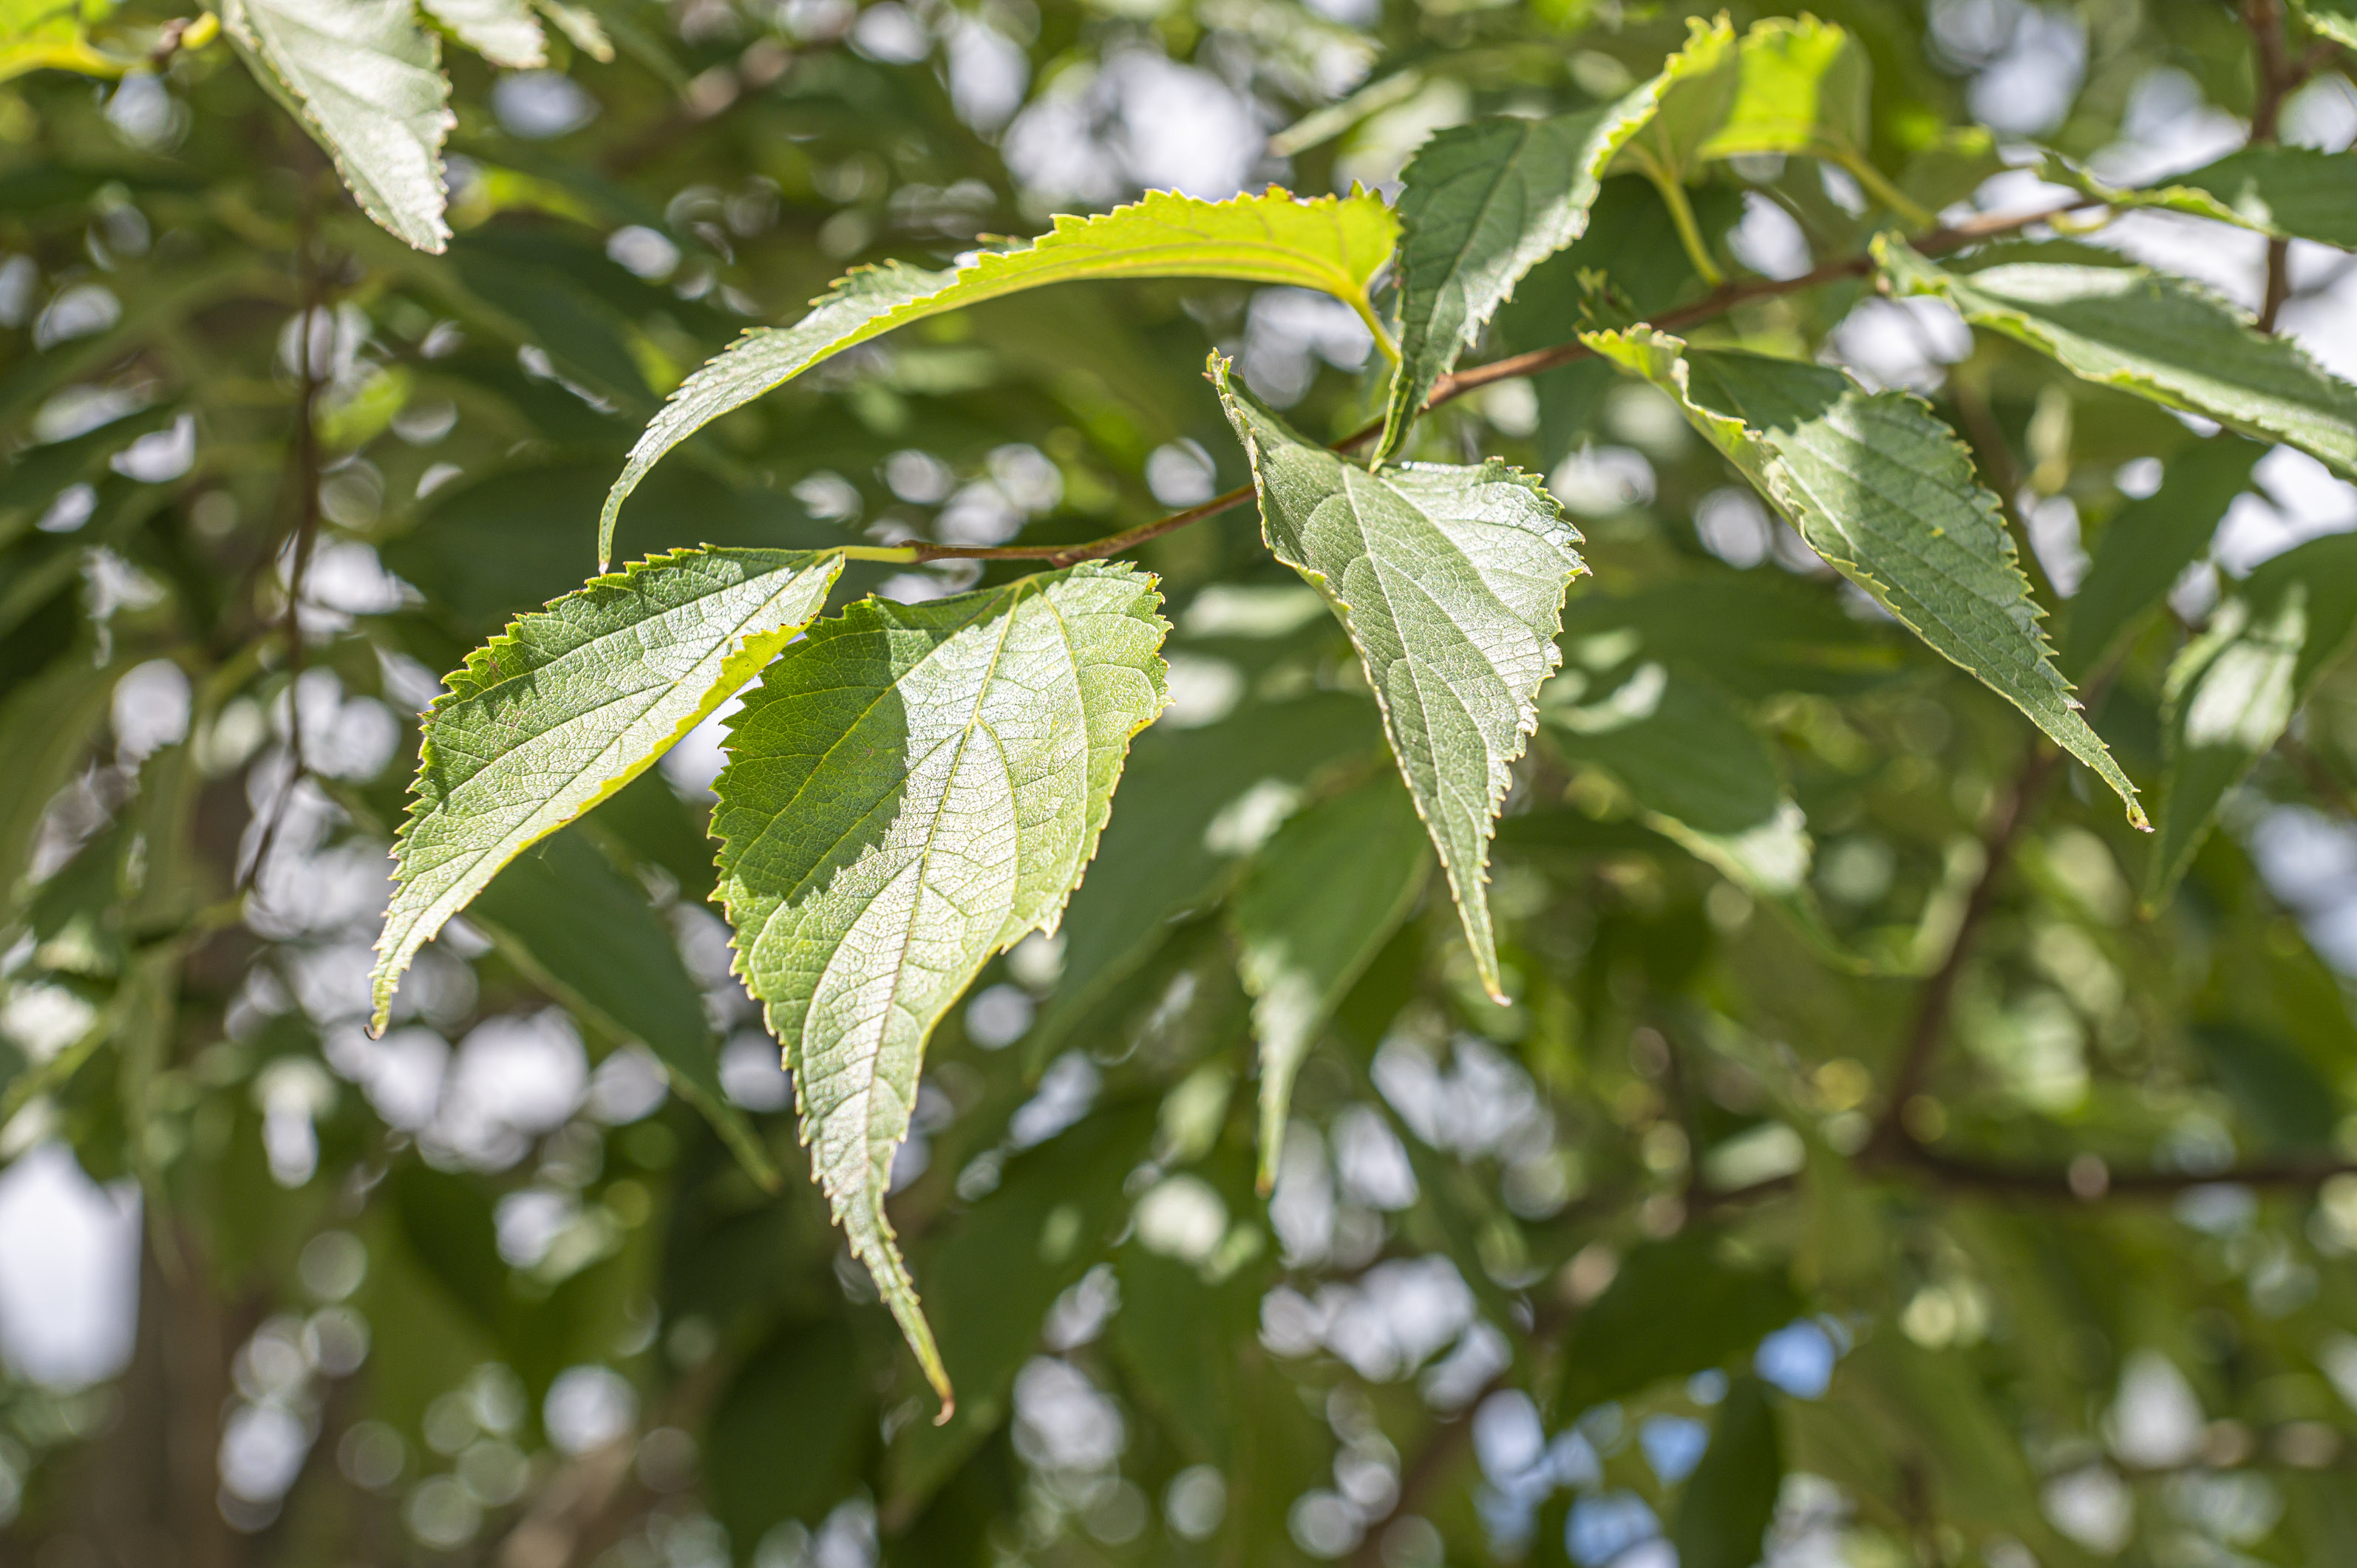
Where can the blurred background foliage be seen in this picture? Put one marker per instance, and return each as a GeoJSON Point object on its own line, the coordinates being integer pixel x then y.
{"type": "Point", "coordinates": [1629, 1271]}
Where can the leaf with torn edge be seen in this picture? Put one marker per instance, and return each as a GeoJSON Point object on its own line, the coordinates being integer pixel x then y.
{"type": "Point", "coordinates": [910, 789]}
{"type": "Point", "coordinates": [1886, 493]}
{"type": "Point", "coordinates": [2143, 332]}
{"type": "Point", "coordinates": [366, 80]}
{"type": "Point", "coordinates": [1451, 583]}
{"type": "Point", "coordinates": [2233, 692]}
{"type": "Point", "coordinates": [1324, 895]}
{"type": "Point", "coordinates": [1334, 245]}
{"type": "Point", "coordinates": [571, 703]}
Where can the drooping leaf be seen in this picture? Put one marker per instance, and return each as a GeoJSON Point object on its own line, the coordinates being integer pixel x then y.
{"type": "Point", "coordinates": [366, 80]}
{"type": "Point", "coordinates": [1886, 493]}
{"type": "Point", "coordinates": [2146, 333]}
{"type": "Point", "coordinates": [2288, 193]}
{"type": "Point", "coordinates": [1450, 582]}
{"type": "Point", "coordinates": [910, 789]}
{"type": "Point", "coordinates": [2231, 693]}
{"type": "Point", "coordinates": [1332, 244]}
{"type": "Point", "coordinates": [1674, 1307]}
{"type": "Point", "coordinates": [571, 703]}
{"type": "Point", "coordinates": [566, 915]}
{"type": "Point", "coordinates": [1731, 1500]}
{"type": "Point", "coordinates": [1319, 903]}
{"type": "Point", "coordinates": [1482, 205]}
{"type": "Point", "coordinates": [504, 32]}
{"type": "Point", "coordinates": [2150, 543]}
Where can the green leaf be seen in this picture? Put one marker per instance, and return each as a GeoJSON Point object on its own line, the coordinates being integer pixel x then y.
{"type": "Point", "coordinates": [2158, 337]}
{"type": "Point", "coordinates": [46, 729]}
{"type": "Point", "coordinates": [1699, 772]}
{"type": "Point", "coordinates": [1692, 95]}
{"type": "Point", "coordinates": [1675, 1307]}
{"type": "Point", "coordinates": [2274, 1084]}
{"type": "Point", "coordinates": [1731, 1500]}
{"type": "Point", "coordinates": [1450, 582]}
{"type": "Point", "coordinates": [792, 1433]}
{"type": "Point", "coordinates": [571, 703]}
{"type": "Point", "coordinates": [2149, 544]}
{"type": "Point", "coordinates": [1333, 244]}
{"type": "Point", "coordinates": [579, 927]}
{"type": "Point", "coordinates": [579, 24]}
{"type": "Point", "coordinates": [2288, 193]}
{"type": "Point", "coordinates": [504, 32]}
{"type": "Point", "coordinates": [51, 35]}
{"type": "Point", "coordinates": [367, 82]}
{"type": "Point", "coordinates": [1323, 897]}
{"type": "Point", "coordinates": [1885, 492]}
{"type": "Point", "coordinates": [1800, 87]}
{"type": "Point", "coordinates": [1482, 205]}
{"type": "Point", "coordinates": [910, 789]}
{"type": "Point", "coordinates": [1196, 799]}
{"type": "Point", "coordinates": [2231, 693]}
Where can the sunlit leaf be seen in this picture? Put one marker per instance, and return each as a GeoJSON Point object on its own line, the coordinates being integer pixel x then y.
{"type": "Point", "coordinates": [1450, 582]}
{"type": "Point", "coordinates": [504, 32]}
{"type": "Point", "coordinates": [2288, 193]}
{"type": "Point", "coordinates": [910, 789]}
{"type": "Point", "coordinates": [571, 703]}
{"type": "Point", "coordinates": [1333, 244]}
{"type": "Point", "coordinates": [366, 81]}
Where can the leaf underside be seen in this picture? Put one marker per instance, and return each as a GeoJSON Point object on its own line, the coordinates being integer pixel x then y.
{"type": "Point", "coordinates": [1886, 493]}
{"type": "Point", "coordinates": [910, 789]}
{"type": "Point", "coordinates": [2157, 336]}
{"type": "Point", "coordinates": [571, 703]}
{"type": "Point", "coordinates": [1451, 583]}
{"type": "Point", "coordinates": [1325, 895]}
{"type": "Point", "coordinates": [1333, 244]}
{"type": "Point", "coordinates": [367, 82]}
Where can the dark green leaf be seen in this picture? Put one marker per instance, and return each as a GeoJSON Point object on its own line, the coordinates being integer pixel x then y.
{"type": "Point", "coordinates": [2149, 544]}
{"type": "Point", "coordinates": [1676, 1307]}
{"type": "Point", "coordinates": [1729, 1501]}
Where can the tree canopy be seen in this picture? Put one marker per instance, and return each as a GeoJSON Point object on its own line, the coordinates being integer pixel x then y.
{"type": "Point", "coordinates": [1176, 781]}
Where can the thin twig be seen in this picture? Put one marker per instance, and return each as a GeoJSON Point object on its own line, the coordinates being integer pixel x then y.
{"type": "Point", "coordinates": [1980, 1176]}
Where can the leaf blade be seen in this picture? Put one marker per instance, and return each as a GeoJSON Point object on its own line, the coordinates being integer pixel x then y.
{"type": "Point", "coordinates": [539, 700]}
{"type": "Point", "coordinates": [1333, 244]}
{"type": "Point", "coordinates": [971, 747]}
{"type": "Point", "coordinates": [503, 32]}
{"type": "Point", "coordinates": [1886, 493]}
{"type": "Point", "coordinates": [2150, 543]}
{"type": "Point", "coordinates": [1454, 653]}
{"type": "Point", "coordinates": [367, 83]}
{"type": "Point", "coordinates": [1324, 897]}
{"type": "Point", "coordinates": [2160, 337]}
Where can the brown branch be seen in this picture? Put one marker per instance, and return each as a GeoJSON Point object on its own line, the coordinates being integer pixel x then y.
{"type": "Point", "coordinates": [1966, 1174]}
{"type": "Point", "coordinates": [1890, 1138]}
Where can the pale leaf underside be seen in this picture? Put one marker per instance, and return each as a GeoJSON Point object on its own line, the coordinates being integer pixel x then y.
{"type": "Point", "coordinates": [366, 78]}
{"type": "Point", "coordinates": [910, 789]}
{"type": "Point", "coordinates": [504, 32]}
{"type": "Point", "coordinates": [1450, 582]}
{"type": "Point", "coordinates": [572, 703]}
